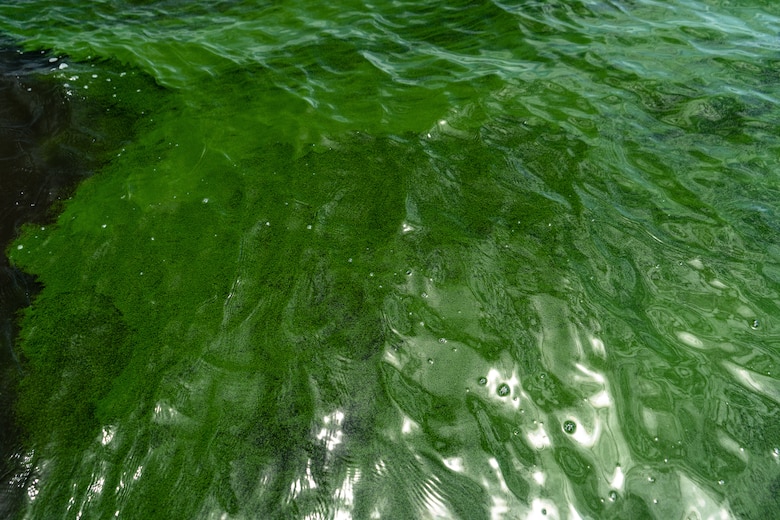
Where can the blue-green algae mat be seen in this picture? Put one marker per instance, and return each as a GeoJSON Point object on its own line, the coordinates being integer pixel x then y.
{"type": "Point", "coordinates": [409, 259]}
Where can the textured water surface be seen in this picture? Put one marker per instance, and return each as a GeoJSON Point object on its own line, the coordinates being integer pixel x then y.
{"type": "Point", "coordinates": [406, 260]}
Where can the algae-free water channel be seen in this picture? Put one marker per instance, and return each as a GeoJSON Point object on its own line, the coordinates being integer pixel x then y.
{"type": "Point", "coordinates": [390, 260]}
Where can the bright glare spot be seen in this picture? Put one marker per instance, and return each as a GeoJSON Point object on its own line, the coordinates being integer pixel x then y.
{"type": "Point", "coordinates": [690, 340]}
{"type": "Point", "coordinates": [309, 477]}
{"type": "Point", "coordinates": [33, 490]}
{"type": "Point", "coordinates": [696, 263]}
{"type": "Point", "coordinates": [539, 438]}
{"type": "Point", "coordinates": [409, 426]}
{"type": "Point", "coordinates": [107, 435]}
{"type": "Point", "coordinates": [600, 400]}
{"type": "Point", "coordinates": [598, 347]}
{"type": "Point", "coordinates": [718, 284]}
{"type": "Point", "coordinates": [732, 446]}
{"type": "Point", "coordinates": [594, 376]}
{"type": "Point", "coordinates": [699, 503]}
{"type": "Point", "coordinates": [454, 463]}
{"type": "Point", "coordinates": [97, 487]}
{"type": "Point", "coordinates": [499, 509]}
{"type": "Point", "coordinates": [618, 479]}
{"type": "Point", "coordinates": [583, 437]}
{"type": "Point", "coordinates": [332, 433]}
{"type": "Point", "coordinates": [406, 227]}
{"type": "Point", "coordinates": [573, 514]}
{"type": "Point", "coordinates": [764, 385]}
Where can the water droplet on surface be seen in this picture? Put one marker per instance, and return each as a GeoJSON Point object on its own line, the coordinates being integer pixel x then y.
{"type": "Point", "coordinates": [430, 361]}
{"type": "Point", "coordinates": [442, 340]}
{"type": "Point", "coordinates": [613, 495]}
{"type": "Point", "coordinates": [482, 381]}
{"type": "Point", "coordinates": [569, 427]}
{"type": "Point", "coordinates": [651, 479]}
{"type": "Point", "coordinates": [755, 324]}
{"type": "Point", "coordinates": [503, 390]}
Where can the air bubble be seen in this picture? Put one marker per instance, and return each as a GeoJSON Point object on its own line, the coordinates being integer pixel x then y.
{"type": "Point", "coordinates": [569, 427]}
{"type": "Point", "coordinates": [755, 324]}
{"type": "Point", "coordinates": [503, 390]}
{"type": "Point", "coordinates": [482, 381]}
{"type": "Point", "coordinates": [613, 495]}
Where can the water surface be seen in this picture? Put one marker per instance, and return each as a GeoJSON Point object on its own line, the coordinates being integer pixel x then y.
{"type": "Point", "coordinates": [409, 260]}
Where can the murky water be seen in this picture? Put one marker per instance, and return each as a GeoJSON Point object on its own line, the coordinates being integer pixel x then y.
{"type": "Point", "coordinates": [405, 260]}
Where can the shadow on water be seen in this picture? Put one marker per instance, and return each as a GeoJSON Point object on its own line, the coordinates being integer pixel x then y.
{"type": "Point", "coordinates": [34, 174]}
{"type": "Point", "coordinates": [49, 141]}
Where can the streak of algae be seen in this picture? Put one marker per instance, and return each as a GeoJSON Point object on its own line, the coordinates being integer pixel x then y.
{"type": "Point", "coordinates": [255, 270]}
{"type": "Point", "coordinates": [163, 280]}
{"type": "Point", "coordinates": [225, 302]}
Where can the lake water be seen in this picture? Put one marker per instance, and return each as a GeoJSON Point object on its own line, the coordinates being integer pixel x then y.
{"type": "Point", "coordinates": [404, 259]}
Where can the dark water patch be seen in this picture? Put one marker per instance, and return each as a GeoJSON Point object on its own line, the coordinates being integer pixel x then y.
{"type": "Point", "coordinates": [51, 138]}
{"type": "Point", "coordinates": [34, 174]}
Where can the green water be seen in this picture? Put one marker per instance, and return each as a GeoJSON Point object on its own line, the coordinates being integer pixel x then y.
{"type": "Point", "coordinates": [410, 260]}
